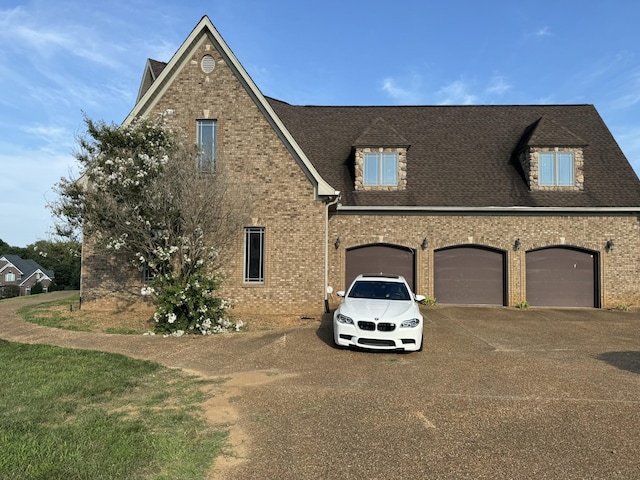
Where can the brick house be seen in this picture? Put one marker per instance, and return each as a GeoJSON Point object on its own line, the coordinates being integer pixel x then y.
{"type": "Point", "coordinates": [488, 205]}
{"type": "Point", "coordinates": [23, 273]}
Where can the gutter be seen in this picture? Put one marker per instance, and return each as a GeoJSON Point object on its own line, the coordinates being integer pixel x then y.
{"type": "Point", "coordinates": [485, 210]}
{"type": "Point", "coordinates": [326, 251]}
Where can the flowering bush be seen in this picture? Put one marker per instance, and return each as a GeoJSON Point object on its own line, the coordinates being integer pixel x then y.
{"type": "Point", "coordinates": [141, 197]}
{"type": "Point", "coordinates": [189, 307]}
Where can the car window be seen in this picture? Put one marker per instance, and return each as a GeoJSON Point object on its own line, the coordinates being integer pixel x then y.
{"type": "Point", "coordinates": [380, 291]}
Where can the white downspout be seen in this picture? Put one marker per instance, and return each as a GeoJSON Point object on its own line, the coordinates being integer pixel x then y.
{"type": "Point", "coordinates": [326, 253]}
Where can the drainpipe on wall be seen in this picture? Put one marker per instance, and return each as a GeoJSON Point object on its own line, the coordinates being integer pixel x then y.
{"type": "Point", "coordinates": [326, 253]}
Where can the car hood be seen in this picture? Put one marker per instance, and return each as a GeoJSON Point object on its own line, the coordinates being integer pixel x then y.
{"type": "Point", "coordinates": [366, 309]}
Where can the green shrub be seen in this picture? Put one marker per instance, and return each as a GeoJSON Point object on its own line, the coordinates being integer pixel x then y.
{"type": "Point", "coordinates": [189, 306]}
{"type": "Point", "coordinates": [523, 304]}
{"type": "Point", "coordinates": [10, 291]}
{"type": "Point", "coordinates": [429, 302]}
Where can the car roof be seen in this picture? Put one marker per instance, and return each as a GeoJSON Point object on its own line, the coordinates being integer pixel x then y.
{"type": "Point", "coordinates": [378, 276]}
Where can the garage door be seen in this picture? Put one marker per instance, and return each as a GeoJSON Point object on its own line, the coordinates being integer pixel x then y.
{"type": "Point", "coordinates": [469, 275]}
{"type": "Point", "coordinates": [391, 259]}
{"type": "Point", "coordinates": [562, 277]}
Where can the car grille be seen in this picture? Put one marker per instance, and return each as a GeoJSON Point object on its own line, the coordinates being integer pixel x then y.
{"type": "Point", "coordinates": [376, 342]}
{"type": "Point", "coordinates": [382, 326]}
{"type": "Point", "coordinates": [386, 327]}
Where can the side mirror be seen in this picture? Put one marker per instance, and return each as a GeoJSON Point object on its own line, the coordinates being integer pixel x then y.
{"type": "Point", "coordinates": [419, 298]}
{"type": "Point", "coordinates": [340, 293]}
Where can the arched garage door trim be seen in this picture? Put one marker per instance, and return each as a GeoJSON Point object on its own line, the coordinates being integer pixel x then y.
{"type": "Point", "coordinates": [470, 275]}
{"type": "Point", "coordinates": [381, 258]}
{"type": "Point", "coordinates": [563, 276]}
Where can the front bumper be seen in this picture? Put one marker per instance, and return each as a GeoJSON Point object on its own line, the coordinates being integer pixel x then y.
{"type": "Point", "coordinates": [408, 339]}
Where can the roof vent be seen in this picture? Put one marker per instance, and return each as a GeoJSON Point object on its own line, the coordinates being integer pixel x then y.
{"type": "Point", "coordinates": [208, 63]}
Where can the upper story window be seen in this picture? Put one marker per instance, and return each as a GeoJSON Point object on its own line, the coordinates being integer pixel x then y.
{"type": "Point", "coordinates": [380, 169]}
{"type": "Point", "coordinates": [10, 277]}
{"type": "Point", "coordinates": [556, 168]}
{"type": "Point", "coordinates": [207, 139]}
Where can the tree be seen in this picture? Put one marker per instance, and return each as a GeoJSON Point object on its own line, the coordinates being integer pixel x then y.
{"type": "Point", "coordinates": [141, 196]}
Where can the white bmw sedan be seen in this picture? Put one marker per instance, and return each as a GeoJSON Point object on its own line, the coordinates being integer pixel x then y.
{"type": "Point", "coordinates": [379, 312]}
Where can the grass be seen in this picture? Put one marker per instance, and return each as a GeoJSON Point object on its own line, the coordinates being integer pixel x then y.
{"type": "Point", "coordinates": [67, 315]}
{"type": "Point", "coordinates": [73, 414]}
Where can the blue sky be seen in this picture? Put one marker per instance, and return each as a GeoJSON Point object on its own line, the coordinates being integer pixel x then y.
{"type": "Point", "coordinates": [60, 58]}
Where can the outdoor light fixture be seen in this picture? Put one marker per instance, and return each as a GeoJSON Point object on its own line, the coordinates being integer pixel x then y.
{"type": "Point", "coordinates": [337, 244]}
{"type": "Point", "coordinates": [609, 246]}
{"type": "Point", "coordinates": [517, 244]}
{"type": "Point", "coordinates": [424, 244]}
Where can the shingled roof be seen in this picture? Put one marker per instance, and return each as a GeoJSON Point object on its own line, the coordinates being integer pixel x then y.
{"type": "Point", "coordinates": [464, 156]}
{"type": "Point", "coordinates": [26, 266]}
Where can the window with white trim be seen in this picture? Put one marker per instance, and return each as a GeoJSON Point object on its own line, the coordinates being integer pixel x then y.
{"type": "Point", "coordinates": [380, 169]}
{"type": "Point", "coordinates": [556, 168]}
{"type": "Point", "coordinates": [207, 139]}
{"type": "Point", "coordinates": [10, 277]}
{"type": "Point", "coordinates": [254, 254]}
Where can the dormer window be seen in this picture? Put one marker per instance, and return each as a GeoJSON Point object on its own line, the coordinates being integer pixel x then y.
{"type": "Point", "coordinates": [380, 155]}
{"type": "Point", "coordinates": [556, 169]}
{"type": "Point", "coordinates": [551, 157]}
{"type": "Point", "coordinates": [381, 169]}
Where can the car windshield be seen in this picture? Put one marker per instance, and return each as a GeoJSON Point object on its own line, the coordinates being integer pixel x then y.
{"type": "Point", "coordinates": [380, 290]}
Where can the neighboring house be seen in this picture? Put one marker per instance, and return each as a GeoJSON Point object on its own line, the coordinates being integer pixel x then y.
{"type": "Point", "coordinates": [490, 205]}
{"type": "Point", "coordinates": [23, 273]}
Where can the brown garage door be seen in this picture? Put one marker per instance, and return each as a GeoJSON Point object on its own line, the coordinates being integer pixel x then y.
{"type": "Point", "coordinates": [469, 275]}
{"type": "Point", "coordinates": [378, 258]}
{"type": "Point", "coordinates": [562, 277]}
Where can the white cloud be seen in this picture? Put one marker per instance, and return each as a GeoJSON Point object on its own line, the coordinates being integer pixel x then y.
{"type": "Point", "coordinates": [407, 94]}
{"type": "Point", "coordinates": [498, 86]}
{"type": "Point", "coordinates": [631, 96]}
{"type": "Point", "coordinates": [24, 32]}
{"type": "Point", "coordinates": [543, 32]}
{"type": "Point", "coordinates": [456, 93]}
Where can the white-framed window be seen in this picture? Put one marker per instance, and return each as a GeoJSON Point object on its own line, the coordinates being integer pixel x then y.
{"type": "Point", "coordinates": [10, 277]}
{"type": "Point", "coordinates": [207, 139]}
{"type": "Point", "coordinates": [381, 169]}
{"type": "Point", "coordinates": [556, 169]}
{"type": "Point", "coordinates": [254, 254]}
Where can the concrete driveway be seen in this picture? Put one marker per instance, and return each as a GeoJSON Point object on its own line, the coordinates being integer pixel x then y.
{"type": "Point", "coordinates": [497, 393]}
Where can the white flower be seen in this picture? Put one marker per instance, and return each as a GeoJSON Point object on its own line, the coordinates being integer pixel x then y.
{"type": "Point", "coordinates": [146, 291]}
{"type": "Point", "coordinates": [171, 317]}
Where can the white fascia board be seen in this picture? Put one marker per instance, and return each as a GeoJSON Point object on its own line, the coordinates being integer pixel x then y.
{"type": "Point", "coordinates": [488, 210]}
{"type": "Point", "coordinates": [163, 81]}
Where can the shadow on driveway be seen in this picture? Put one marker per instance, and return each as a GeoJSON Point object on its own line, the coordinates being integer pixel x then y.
{"type": "Point", "coordinates": [629, 361]}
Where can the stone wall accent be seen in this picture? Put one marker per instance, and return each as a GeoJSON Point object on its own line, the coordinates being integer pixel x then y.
{"type": "Point", "coordinates": [530, 164]}
{"type": "Point", "coordinates": [402, 169]}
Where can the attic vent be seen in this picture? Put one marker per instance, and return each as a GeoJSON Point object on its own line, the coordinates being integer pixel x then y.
{"type": "Point", "coordinates": [208, 63]}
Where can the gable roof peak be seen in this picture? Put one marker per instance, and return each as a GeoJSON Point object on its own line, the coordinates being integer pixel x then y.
{"type": "Point", "coordinates": [546, 132]}
{"type": "Point", "coordinates": [380, 133]}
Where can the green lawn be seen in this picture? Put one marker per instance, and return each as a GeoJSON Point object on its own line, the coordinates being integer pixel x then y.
{"type": "Point", "coordinates": [73, 414]}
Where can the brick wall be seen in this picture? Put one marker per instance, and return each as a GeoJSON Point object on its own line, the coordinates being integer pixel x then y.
{"type": "Point", "coordinates": [283, 197]}
{"type": "Point", "coordinates": [619, 269]}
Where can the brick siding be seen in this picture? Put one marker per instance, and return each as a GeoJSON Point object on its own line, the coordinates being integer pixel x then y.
{"type": "Point", "coordinates": [619, 270]}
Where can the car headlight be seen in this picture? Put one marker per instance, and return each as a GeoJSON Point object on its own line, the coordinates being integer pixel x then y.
{"type": "Point", "coordinates": [414, 322]}
{"type": "Point", "coordinates": [344, 319]}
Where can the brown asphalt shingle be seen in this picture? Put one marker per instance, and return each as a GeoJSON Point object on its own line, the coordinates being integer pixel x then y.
{"type": "Point", "coordinates": [463, 156]}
